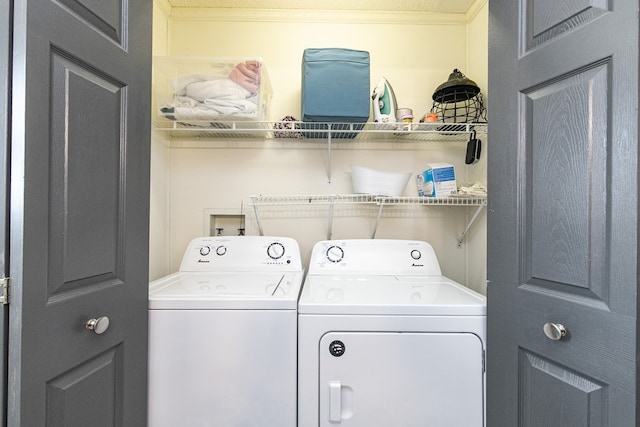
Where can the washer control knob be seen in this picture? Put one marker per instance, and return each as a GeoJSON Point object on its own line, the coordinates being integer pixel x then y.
{"type": "Point", "coordinates": [221, 250]}
{"type": "Point", "coordinates": [205, 250]}
{"type": "Point", "coordinates": [416, 254]}
{"type": "Point", "coordinates": [335, 254]}
{"type": "Point", "coordinates": [275, 250]}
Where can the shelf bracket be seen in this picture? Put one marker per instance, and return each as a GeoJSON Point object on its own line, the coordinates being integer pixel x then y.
{"type": "Point", "coordinates": [375, 227]}
{"type": "Point", "coordinates": [255, 211]}
{"type": "Point", "coordinates": [329, 155]}
{"type": "Point", "coordinates": [466, 230]}
{"type": "Point", "coordinates": [330, 224]}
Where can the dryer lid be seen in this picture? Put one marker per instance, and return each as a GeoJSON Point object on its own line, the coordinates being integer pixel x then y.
{"type": "Point", "coordinates": [389, 295]}
{"type": "Point", "coordinates": [225, 291]}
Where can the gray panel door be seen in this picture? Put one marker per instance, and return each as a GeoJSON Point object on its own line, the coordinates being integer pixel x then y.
{"type": "Point", "coordinates": [5, 37]}
{"type": "Point", "coordinates": [562, 214]}
{"type": "Point", "coordinates": [80, 136]}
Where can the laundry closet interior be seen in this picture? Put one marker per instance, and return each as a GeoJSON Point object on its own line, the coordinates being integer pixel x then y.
{"type": "Point", "coordinates": [204, 183]}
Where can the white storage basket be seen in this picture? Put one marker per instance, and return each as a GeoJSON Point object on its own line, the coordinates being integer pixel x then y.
{"type": "Point", "coordinates": [371, 181]}
{"type": "Point", "coordinates": [189, 89]}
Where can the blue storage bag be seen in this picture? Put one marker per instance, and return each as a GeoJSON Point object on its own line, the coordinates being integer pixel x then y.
{"type": "Point", "coordinates": [335, 87]}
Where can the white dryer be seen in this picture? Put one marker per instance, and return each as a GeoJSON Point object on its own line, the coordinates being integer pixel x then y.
{"type": "Point", "coordinates": [222, 335]}
{"type": "Point", "coordinates": [385, 340]}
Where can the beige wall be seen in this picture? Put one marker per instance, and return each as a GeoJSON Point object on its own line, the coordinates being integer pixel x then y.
{"type": "Point", "coordinates": [414, 52]}
{"type": "Point", "coordinates": [477, 65]}
{"type": "Point", "coordinates": [415, 57]}
{"type": "Point", "coordinates": [159, 197]}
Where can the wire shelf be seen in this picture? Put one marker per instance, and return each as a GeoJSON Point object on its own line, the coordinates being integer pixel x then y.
{"type": "Point", "coordinates": [295, 130]}
{"type": "Point", "coordinates": [331, 201]}
{"type": "Point", "coordinates": [284, 200]}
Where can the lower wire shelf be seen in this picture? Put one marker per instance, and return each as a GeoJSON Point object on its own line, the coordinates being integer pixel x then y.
{"type": "Point", "coordinates": [381, 202]}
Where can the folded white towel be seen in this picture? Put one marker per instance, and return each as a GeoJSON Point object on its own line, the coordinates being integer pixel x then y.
{"type": "Point", "coordinates": [233, 107]}
{"type": "Point", "coordinates": [224, 89]}
{"type": "Point", "coordinates": [209, 98]}
{"type": "Point", "coordinates": [475, 189]}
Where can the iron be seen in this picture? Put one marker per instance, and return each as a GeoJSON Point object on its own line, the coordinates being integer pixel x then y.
{"type": "Point", "coordinates": [384, 102]}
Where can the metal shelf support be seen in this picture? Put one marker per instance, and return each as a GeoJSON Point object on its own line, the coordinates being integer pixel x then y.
{"type": "Point", "coordinates": [375, 227]}
{"type": "Point", "coordinates": [330, 225]}
{"type": "Point", "coordinates": [255, 211]}
{"type": "Point", "coordinates": [469, 224]}
{"type": "Point", "coordinates": [329, 158]}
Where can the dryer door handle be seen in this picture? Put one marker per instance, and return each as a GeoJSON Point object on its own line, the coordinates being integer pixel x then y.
{"type": "Point", "coordinates": [335, 401]}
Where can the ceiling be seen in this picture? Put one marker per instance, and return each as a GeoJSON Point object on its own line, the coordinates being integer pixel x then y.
{"type": "Point", "coordinates": [430, 6]}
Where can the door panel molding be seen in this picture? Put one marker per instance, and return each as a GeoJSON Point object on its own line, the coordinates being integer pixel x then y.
{"type": "Point", "coordinates": [86, 231]}
{"type": "Point", "coordinates": [585, 396]}
{"type": "Point", "coordinates": [104, 16]}
{"type": "Point", "coordinates": [565, 156]}
{"type": "Point", "coordinates": [73, 398]}
{"type": "Point", "coordinates": [548, 19]}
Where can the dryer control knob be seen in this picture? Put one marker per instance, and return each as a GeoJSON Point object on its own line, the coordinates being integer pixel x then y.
{"type": "Point", "coordinates": [415, 254]}
{"type": "Point", "coordinates": [335, 254]}
{"type": "Point", "coordinates": [337, 348]}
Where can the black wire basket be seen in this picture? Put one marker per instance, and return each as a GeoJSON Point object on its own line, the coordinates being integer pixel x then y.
{"type": "Point", "coordinates": [458, 100]}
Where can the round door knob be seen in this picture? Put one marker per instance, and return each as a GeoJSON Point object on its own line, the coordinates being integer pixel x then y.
{"type": "Point", "coordinates": [555, 331]}
{"type": "Point", "coordinates": [99, 325]}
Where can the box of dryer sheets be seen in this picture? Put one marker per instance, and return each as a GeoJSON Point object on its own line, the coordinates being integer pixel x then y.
{"type": "Point", "coordinates": [438, 180]}
{"type": "Point", "coordinates": [205, 91]}
{"type": "Point", "coordinates": [335, 91]}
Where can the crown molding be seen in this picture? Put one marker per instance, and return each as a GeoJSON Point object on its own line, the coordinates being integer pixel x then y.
{"type": "Point", "coordinates": [164, 6]}
{"type": "Point", "coordinates": [475, 8]}
{"type": "Point", "coordinates": [315, 16]}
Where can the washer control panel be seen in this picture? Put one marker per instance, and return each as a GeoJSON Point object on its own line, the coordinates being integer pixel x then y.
{"type": "Point", "coordinates": [242, 253]}
{"type": "Point", "coordinates": [374, 256]}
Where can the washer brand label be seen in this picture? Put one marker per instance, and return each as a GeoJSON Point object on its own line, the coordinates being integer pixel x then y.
{"type": "Point", "coordinates": [203, 260]}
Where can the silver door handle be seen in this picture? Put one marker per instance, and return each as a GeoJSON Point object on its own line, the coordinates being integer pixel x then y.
{"type": "Point", "coordinates": [98, 326]}
{"type": "Point", "coordinates": [554, 331]}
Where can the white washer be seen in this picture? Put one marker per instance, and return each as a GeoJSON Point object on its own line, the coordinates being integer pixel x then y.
{"type": "Point", "coordinates": [385, 340]}
{"type": "Point", "coordinates": [222, 335]}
